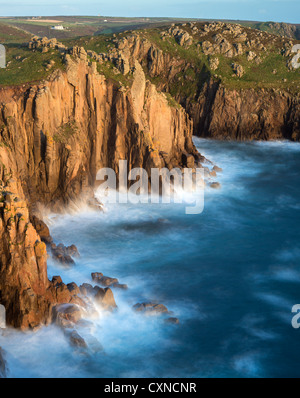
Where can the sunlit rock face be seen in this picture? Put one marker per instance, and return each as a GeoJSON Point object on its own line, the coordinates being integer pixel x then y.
{"type": "Point", "coordinates": [56, 135]}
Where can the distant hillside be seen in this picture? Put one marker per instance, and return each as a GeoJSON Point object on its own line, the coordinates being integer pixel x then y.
{"type": "Point", "coordinates": [280, 29]}
{"type": "Point", "coordinates": [10, 34]}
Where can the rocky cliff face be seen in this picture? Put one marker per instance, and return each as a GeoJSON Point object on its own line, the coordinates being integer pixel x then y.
{"type": "Point", "coordinates": [216, 110]}
{"type": "Point", "coordinates": [245, 114]}
{"type": "Point", "coordinates": [55, 136]}
{"type": "Point", "coordinates": [62, 131]}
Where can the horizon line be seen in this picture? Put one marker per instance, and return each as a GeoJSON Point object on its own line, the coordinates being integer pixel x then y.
{"type": "Point", "coordinates": [157, 17]}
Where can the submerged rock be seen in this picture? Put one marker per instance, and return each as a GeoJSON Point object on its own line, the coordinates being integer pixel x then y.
{"type": "Point", "coordinates": [107, 281]}
{"type": "Point", "coordinates": [76, 340]}
{"type": "Point", "coordinates": [96, 275]}
{"type": "Point", "coordinates": [99, 278]}
{"type": "Point", "coordinates": [172, 320]}
{"type": "Point", "coordinates": [217, 169]}
{"type": "Point", "coordinates": [66, 315]}
{"type": "Point", "coordinates": [151, 308]}
{"type": "Point", "coordinates": [215, 185]}
{"type": "Point", "coordinates": [94, 344]}
{"type": "Point", "coordinates": [72, 251]}
{"type": "Point", "coordinates": [63, 254]}
{"type": "Point", "coordinates": [120, 286]}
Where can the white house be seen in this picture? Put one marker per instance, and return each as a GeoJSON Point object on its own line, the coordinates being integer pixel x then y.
{"type": "Point", "coordinates": [57, 27]}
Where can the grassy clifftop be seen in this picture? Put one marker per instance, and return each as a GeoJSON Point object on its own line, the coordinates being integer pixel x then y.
{"type": "Point", "coordinates": [237, 56]}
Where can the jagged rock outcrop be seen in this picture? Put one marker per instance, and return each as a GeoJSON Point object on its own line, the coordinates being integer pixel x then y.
{"type": "Point", "coordinates": [217, 111]}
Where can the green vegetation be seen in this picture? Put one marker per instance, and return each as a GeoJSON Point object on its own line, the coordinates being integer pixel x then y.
{"type": "Point", "coordinates": [272, 72]}
{"type": "Point", "coordinates": [24, 65]}
{"type": "Point", "coordinates": [111, 73]}
{"type": "Point", "coordinates": [172, 102]}
{"type": "Point", "coordinates": [65, 132]}
{"type": "Point", "coordinates": [99, 44]}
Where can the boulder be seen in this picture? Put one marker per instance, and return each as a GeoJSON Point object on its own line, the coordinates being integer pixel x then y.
{"type": "Point", "coordinates": [214, 63]}
{"type": "Point", "coordinates": [86, 289]}
{"type": "Point", "coordinates": [188, 160]}
{"type": "Point", "coordinates": [73, 288]}
{"type": "Point", "coordinates": [251, 56]}
{"type": "Point", "coordinates": [56, 280]}
{"type": "Point", "coordinates": [238, 70]}
{"type": "Point", "coordinates": [172, 320]}
{"type": "Point", "coordinates": [217, 169]}
{"type": "Point", "coordinates": [72, 251]}
{"type": "Point", "coordinates": [96, 276]}
{"type": "Point", "coordinates": [61, 253]}
{"type": "Point", "coordinates": [76, 340]}
{"type": "Point", "coordinates": [99, 278]}
{"type": "Point", "coordinates": [215, 185]}
{"type": "Point", "coordinates": [105, 298]}
{"type": "Point", "coordinates": [66, 315]}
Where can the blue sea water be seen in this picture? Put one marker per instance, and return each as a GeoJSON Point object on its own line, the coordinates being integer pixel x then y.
{"type": "Point", "coordinates": [231, 275]}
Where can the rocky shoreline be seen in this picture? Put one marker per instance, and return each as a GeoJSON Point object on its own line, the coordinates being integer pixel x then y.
{"type": "Point", "coordinates": [68, 306]}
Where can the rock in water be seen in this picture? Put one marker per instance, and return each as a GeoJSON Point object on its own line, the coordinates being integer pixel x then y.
{"type": "Point", "coordinates": [66, 315]}
{"type": "Point", "coordinates": [98, 277]}
{"type": "Point", "coordinates": [62, 254]}
{"type": "Point", "coordinates": [215, 185]}
{"type": "Point", "coordinates": [105, 298]}
{"type": "Point", "coordinates": [217, 169]}
{"type": "Point", "coordinates": [151, 308]}
{"type": "Point", "coordinates": [122, 286]}
{"type": "Point", "coordinates": [173, 321]}
{"type": "Point", "coordinates": [76, 340]}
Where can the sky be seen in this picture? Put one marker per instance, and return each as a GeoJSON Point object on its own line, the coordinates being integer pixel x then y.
{"type": "Point", "coordinates": [258, 10]}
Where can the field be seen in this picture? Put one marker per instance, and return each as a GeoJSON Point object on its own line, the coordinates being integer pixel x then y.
{"type": "Point", "coordinates": [78, 26]}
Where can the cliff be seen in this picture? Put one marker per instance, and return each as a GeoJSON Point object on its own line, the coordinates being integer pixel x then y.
{"type": "Point", "coordinates": [234, 82]}
{"type": "Point", "coordinates": [245, 114]}
{"type": "Point", "coordinates": [55, 136]}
